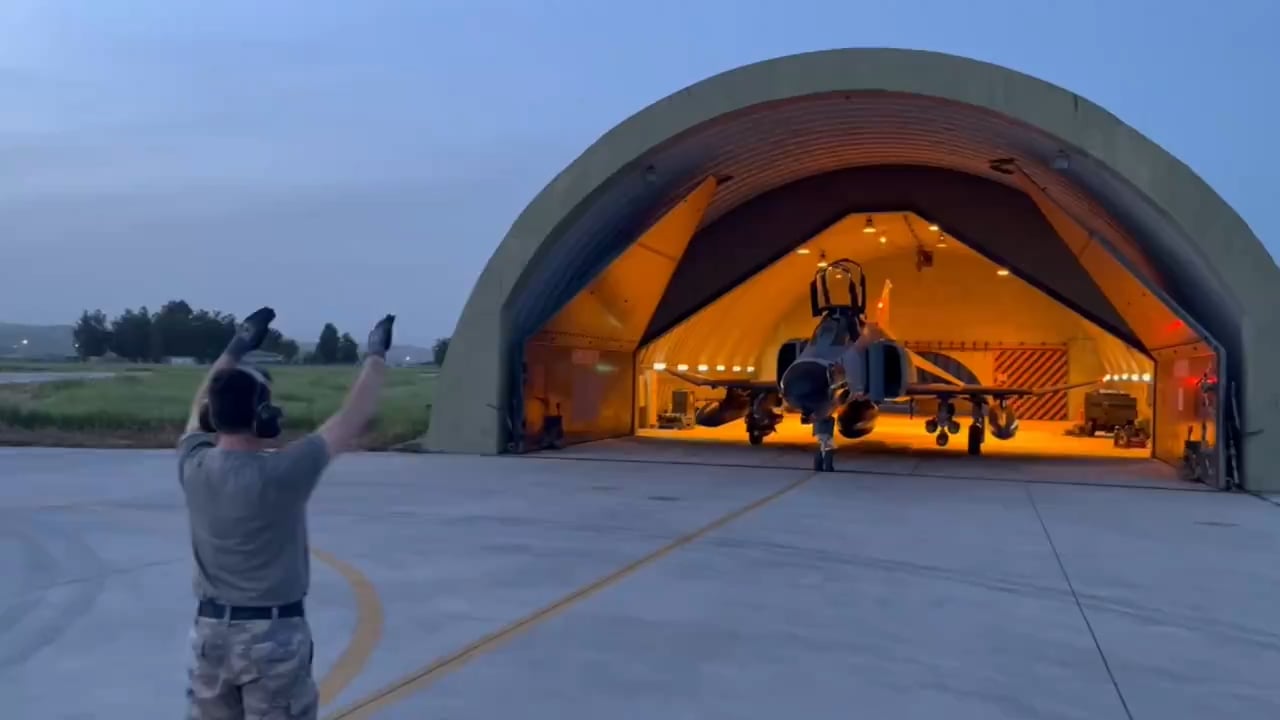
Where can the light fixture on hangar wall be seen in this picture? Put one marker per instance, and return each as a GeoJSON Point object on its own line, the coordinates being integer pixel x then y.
{"type": "Point", "coordinates": [822, 259]}
{"type": "Point", "coordinates": [870, 227]}
{"type": "Point", "coordinates": [941, 241]}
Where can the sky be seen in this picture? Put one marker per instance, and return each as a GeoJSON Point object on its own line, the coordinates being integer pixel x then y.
{"type": "Point", "coordinates": [343, 160]}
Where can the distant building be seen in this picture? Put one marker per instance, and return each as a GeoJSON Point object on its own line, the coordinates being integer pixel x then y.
{"type": "Point", "coordinates": [262, 357]}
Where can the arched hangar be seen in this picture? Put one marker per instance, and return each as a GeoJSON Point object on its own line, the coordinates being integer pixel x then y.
{"type": "Point", "coordinates": [688, 234]}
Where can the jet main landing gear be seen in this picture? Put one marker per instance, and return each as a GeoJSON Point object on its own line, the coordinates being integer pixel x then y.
{"type": "Point", "coordinates": [943, 425]}
{"type": "Point", "coordinates": [978, 428]}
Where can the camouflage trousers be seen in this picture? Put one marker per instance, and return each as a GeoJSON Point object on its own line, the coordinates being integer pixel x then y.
{"type": "Point", "coordinates": [251, 670]}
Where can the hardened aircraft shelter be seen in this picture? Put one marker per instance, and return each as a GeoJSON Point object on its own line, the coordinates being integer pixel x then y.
{"type": "Point", "coordinates": [686, 235]}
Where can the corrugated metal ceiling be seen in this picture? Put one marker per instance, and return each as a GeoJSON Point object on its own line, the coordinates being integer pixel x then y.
{"type": "Point", "coordinates": [768, 146]}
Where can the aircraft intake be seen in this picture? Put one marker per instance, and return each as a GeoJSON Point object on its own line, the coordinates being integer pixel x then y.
{"type": "Point", "coordinates": [889, 369]}
{"type": "Point", "coordinates": [857, 419]}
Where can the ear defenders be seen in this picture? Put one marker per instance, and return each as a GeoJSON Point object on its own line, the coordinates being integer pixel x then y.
{"type": "Point", "coordinates": [266, 417]}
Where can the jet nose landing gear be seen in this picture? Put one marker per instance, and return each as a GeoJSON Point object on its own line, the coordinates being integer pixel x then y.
{"type": "Point", "coordinates": [824, 460]}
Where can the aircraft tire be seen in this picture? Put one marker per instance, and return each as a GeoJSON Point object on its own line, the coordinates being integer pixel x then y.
{"type": "Point", "coordinates": [828, 461]}
{"type": "Point", "coordinates": [818, 463]}
{"type": "Point", "coordinates": [755, 438]}
{"type": "Point", "coordinates": [975, 440]}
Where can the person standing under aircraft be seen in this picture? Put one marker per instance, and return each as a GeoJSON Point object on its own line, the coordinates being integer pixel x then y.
{"type": "Point", "coordinates": [251, 645]}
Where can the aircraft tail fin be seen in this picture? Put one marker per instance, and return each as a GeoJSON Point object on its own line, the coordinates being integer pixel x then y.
{"type": "Point", "coordinates": [882, 307]}
{"type": "Point", "coordinates": [883, 330]}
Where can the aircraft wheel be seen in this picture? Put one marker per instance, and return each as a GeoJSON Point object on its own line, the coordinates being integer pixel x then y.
{"type": "Point", "coordinates": [755, 437]}
{"type": "Point", "coordinates": [828, 461]}
{"type": "Point", "coordinates": [931, 426]}
{"type": "Point", "coordinates": [953, 427]}
{"type": "Point", "coordinates": [942, 439]}
{"type": "Point", "coordinates": [975, 440]}
{"type": "Point", "coordinates": [819, 462]}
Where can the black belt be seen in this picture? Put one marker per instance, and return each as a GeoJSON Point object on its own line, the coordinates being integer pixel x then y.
{"type": "Point", "coordinates": [218, 611]}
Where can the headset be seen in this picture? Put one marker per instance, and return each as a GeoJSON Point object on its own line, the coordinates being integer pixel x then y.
{"type": "Point", "coordinates": [266, 416]}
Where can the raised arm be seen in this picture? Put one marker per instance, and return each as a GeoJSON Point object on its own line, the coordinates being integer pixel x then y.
{"type": "Point", "coordinates": [342, 429]}
{"type": "Point", "coordinates": [249, 336]}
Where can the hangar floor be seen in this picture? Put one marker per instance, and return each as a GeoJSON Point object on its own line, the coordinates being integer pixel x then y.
{"type": "Point", "coordinates": [608, 589]}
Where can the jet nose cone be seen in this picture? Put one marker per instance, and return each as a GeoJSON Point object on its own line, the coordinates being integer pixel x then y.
{"type": "Point", "coordinates": [806, 387]}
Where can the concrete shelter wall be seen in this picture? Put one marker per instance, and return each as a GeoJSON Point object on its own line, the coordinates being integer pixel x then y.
{"type": "Point", "coordinates": [1211, 246]}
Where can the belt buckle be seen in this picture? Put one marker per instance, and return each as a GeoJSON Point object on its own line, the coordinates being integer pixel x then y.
{"type": "Point", "coordinates": [217, 610]}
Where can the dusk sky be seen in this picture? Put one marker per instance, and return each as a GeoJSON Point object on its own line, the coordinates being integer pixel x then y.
{"type": "Point", "coordinates": [342, 163]}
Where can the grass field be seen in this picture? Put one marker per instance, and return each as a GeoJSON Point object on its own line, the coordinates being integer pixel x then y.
{"type": "Point", "coordinates": [147, 405]}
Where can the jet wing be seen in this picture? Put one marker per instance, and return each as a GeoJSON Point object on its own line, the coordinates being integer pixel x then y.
{"type": "Point", "coordinates": [736, 384]}
{"type": "Point", "coordinates": [996, 391]}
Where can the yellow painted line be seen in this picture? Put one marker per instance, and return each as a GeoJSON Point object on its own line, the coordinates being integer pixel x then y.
{"type": "Point", "coordinates": [364, 639]}
{"type": "Point", "coordinates": [426, 675]}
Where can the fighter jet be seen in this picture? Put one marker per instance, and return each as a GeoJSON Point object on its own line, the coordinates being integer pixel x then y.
{"type": "Point", "coordinates": [846, 369]}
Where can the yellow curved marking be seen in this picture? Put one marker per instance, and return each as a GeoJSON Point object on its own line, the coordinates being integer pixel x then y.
{"type": "Point", "coordinates": [417, 680]}
{"type": "Point", "coordinates": [366, 635]}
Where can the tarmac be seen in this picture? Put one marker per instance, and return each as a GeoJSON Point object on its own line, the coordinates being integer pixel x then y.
{"type": "Point", "coordinates": [634, 579]}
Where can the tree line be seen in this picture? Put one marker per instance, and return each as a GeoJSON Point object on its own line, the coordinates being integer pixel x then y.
{"type": "Point", "coordinates": [178, 330]}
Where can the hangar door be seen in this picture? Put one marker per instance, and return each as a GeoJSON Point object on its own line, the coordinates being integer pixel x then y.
{"type": "Point", "coordinates": [1034, 367]}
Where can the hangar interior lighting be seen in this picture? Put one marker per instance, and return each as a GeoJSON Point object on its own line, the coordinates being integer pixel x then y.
{"type": "Point", "coordinates": [751, 368]}
{"type": "Point", "coordinates": [1002, 272]}
{"type": "Point", "coordinates": [659, 366]}
{"type": "Point", "coordinates": [942, 238]}
{"type": "Point", "coordinates": [682, 367]}
{"type": "Point", "coordinates": [802, 251]}
{"type": "Point", "coordinates": [702, 367]}
{"type": "Point", "coordinates": [737, 368]}
{"type": "Point", "coordinates": [719, 368]}
{"type": "Point", "coordinates": [883, 240]}
{"type": "Point", "coordinates": [1127, 377]}
{"type": "Point", "coordinates": [870, 227]}
{"type": "Point", "coordinates": [933, 227]}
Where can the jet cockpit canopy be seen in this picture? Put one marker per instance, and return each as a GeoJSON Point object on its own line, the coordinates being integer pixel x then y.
{"type": "Point", "coordinates": [841, 285]}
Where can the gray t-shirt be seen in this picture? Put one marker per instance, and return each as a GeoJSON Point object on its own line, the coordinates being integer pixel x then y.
{"type": "Point", "coordinates": [248, 515]}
